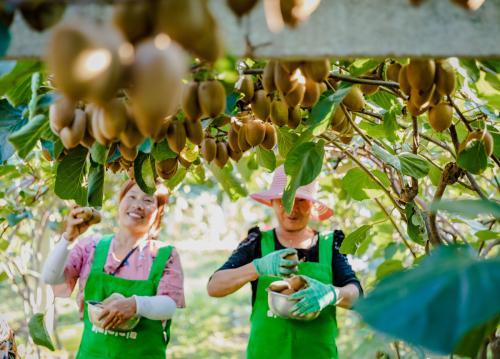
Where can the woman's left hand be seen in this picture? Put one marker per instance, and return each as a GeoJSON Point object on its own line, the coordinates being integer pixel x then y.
{"type": "Point", "coordinates": [117, 311]}
{"type": "Point", "coordinates": [314, 298]}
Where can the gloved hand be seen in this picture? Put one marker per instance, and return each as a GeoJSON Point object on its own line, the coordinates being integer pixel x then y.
{"type": "Point", "coordinates": [274, 264]}
{"type": "Point", "coordinates": [314, 298]}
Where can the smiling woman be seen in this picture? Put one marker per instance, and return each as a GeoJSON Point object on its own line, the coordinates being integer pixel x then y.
{"type": "Point", "coordinates": [125, 277]}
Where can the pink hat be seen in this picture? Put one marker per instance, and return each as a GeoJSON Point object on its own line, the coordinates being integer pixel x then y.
{"type": "Point", "coordinates": [320, 210]}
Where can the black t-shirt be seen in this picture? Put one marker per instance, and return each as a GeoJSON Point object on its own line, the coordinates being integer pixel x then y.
{"type": "Point", "coordinates": [250, 249]}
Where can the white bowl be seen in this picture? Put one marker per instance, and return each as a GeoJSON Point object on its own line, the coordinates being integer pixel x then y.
{"type": "Point", "coordinates": [281, 305]}
{"type": "Point", "coordinates": [95, 309]}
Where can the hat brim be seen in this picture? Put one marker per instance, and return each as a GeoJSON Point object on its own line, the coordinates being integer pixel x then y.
{"type": "Point", "coordinates": [320, 210]}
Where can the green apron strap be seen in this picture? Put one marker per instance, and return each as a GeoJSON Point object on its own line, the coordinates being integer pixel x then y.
{"type": "Point", "coordinates": [159, 264]}
{"type": "Point", "coordinates": [267, 242]}
{"type": "Point", "coordinates": [101, 253]}
{"type": "Point", "coordinates": [326, 249]}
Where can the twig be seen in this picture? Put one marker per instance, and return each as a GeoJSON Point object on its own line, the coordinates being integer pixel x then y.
{"type": "Point", "coordinates": [356, 128]}
{"type": "Point", "coordinates": [460, 114]}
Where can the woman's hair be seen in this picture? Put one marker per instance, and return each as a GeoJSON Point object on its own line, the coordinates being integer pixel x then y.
{"type": "Point", "coordinates": [161, 196]}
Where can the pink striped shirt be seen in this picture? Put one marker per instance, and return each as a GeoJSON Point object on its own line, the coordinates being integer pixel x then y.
{"type": "Point", "coordinates": [136, 267]}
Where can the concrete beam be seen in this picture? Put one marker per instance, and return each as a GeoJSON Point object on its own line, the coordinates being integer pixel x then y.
{"type": "Point", "coordinates": [338, 29]}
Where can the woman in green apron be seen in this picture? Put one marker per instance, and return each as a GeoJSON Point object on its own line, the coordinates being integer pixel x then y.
{"type": "Point", "coordinates": [260, 260]}
{"type": "Point", "coordinates": [131, 272]}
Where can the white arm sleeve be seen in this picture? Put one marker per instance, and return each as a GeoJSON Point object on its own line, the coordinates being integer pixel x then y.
{"type": "Point", "coordinates": [53, 269]}
{"type": "Point", "coordinates": [158, 307]}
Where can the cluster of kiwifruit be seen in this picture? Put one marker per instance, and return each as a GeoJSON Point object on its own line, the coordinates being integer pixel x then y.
{"type": "Point", "coordinates": [289, 285]}
{"type": "Point", "coordinates": [38, 14]}
{"type": "Point", "coordinates": [426, 82]}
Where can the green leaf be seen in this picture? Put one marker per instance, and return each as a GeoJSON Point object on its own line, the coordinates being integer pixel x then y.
{"type": "Point", "coordinates": [14, 218]}
{"type": "Point", "coordinates": [413, 165]}
{"type": "Point", "coordinates": [96, 184]}
{"type": "Point", "coordinates": [373, 130]}
{"type": "Point", "coordinates": [266, 158]}
{"type": "Point", "coordinates": [3, 276]}
{"type": "Point", "coordinates": [302, 165]}
{"type": "Point", "coordinates": [415, 227]}
{"type": "Point", "coordinates": [485, 235]}
{"type": "Point", "coordinates": [434, 175]}
{"type": "Point", "coordinates": [145, 172]}
{"type": "Point", "coordinates": [388, 267]}
{"type": "Point", "coordinates": [70, 176]}
{"type": "Point", "coordinates": [390, 126]}
{"type": "Point", "coordinates": [361, 66]}
{"type": "Point", "coordinates": [229, 183]}
{"type": "Point", "coordinates": [382, 99]}
{"type": "Point", "coordinates": [471, 69]}
{"type": "Point", "coordinates": [470, 208]}
{"type": "Point", "coordinates": [54, 148]}
{"type": "Point", "coordinates": [473, 158]}
{"type": "Point", "coordinates": [353, 240]}
{"type": "Point", "coordinates": [18, 74]}
{"type": "Point", "coordinates": [98, 153]}
{"type": "Point", "coordinates": [161, 151]}
{"type": "Point", "coordinates": [435, 304]}
{"type": "Point", "coordinates": [4, 244]}
{"type": "Point", "coordinates": [177, 178]}
{"type": "Point", "coordinates": [20, 95]}
{"type": "Point", "coordinates": [25, 139]}
{"type": "Point", "coordinates": [38, 331]}
{"type": "Point", "coordinates": [386, 157]}
{"type": "Point", "coordinates": [11, 120]}
{"type": "Point", "coordinates": [146, 146]}
{"type": "Point", "coordinates": [471, 342]}
{"type": "Point", "coordinates": [286, 140]}
{"type": "Point", "coordinates": [356, 181]}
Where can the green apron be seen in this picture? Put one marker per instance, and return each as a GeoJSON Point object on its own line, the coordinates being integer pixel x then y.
{"type": "Point", "coordinates": [274, 337]}
{"type": "Point", "coordinates": [149, 338]}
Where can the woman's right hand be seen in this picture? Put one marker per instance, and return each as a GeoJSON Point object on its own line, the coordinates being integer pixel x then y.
{"type": "Point", "coordinates": [274, 264]}
{"type": "Point", "coordinates": [79, 220]}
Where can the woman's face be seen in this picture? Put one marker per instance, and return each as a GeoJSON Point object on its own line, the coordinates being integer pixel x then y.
{"type": "Point", "coordinates": [138, 210]}
{"type": "Point", "coordinates": [298, 218]}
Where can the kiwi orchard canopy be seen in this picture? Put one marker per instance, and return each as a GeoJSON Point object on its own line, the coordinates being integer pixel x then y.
{"type": "Point", "coordinates": [392, 107]}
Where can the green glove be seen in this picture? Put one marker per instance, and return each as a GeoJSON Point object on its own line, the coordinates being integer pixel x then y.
{"type": "Point", "coordinates": [274, 264]}
{"type": "Point", "coordinates": [314, 298]}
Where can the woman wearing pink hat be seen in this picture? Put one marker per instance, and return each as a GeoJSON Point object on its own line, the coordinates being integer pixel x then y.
{"type": "Point", "coordinates": [260, 260]}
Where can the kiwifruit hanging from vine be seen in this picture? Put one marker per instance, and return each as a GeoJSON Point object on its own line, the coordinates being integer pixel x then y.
{"type": "Point", "coordinates": [284, 80]}
{"type": "Point", "coordinates": [290, 66]}
{"type": "Point", "coordinates": [445, 78]}
{"type": "Point", "coordinates": [392, 72]}
{"type": "Point", "coordinates": [234, 155]}
{"type": "Point", "coordinates": [88, 140]}
{"type": "Point", "coordinates": [40, 15]}
{"type": "Point", "coordinates": [212, 98]}
{"type": "Point", "coordinates": [242, 138]}
{"type": "Point", "coordinates": [404, 85]}
{"type": "Point", "coordinates": [369, 89]}
{"type": "Point", "coordinates": [176, 136]}
{"type": "Point", "coordinates": [221, 156]}
{"type": "Point", "coordinates": [354, 99]}
{"type": "Point", "coordinates": [183, 161]}
{"type": "Point", "coordinates": [295, 96]}
{"type": "Point", "coordinates": [162, 131]}
{"type": "Point", "coordinates": [270, 138]}
{"type": "Point", "coordinates": [421, 98]}
{"type": "Point", "coordinates": [441, 116]}
{"type": "Point", "coordinates": [339, 120]}
{"type": "Point", "coordinates": [194, 131]}
{"type": "Point", "coordinates": [73, 134]}
{"type": "Point", "coordinates": [316, 70]}
{"type": "Point", "coordinates": [241, 7]}
{"type": "Point", "coordinates": [323, 87]}
{"type": "Point", "coordinates": [158, 70]}
{"type": "Point", "coordinates": [61, 114]}
{"type": "Point", "coordinates": [421, 74]}
{"type": "Point", "coordinates": [268, 76]}
{"type": "Point", "coordinates": [96, 119]}
{"type": "Point", "coordinates": [294, 117]}
{"type": "Point", "coordinates": [130, 136]}
{"type": "Point", "coordinates": [311, 94]}
{"type": "Point", "coordinates": [189, 101]}
{"type": "Point", "coordinates": [255, 132]}
{"type": "Point", "coordinates": [346, 137]}
{"type": "Point", "coordinates": [135, 19]}
{"type": "Point", "coordinates": [128, 153]}
{"type": "Point", "coordinates": [261, 105]}
{"type": "Point", "coordinates": [208, 149]}
{"type": "Point", "coordinates": [115, 119]}
{"type": "Point", "coordinates": [279, 112]}
{"type": "Point", "coordinates": [479, 135]}
{"type": "Point", "coordinates": [166, 169]}
{"type": "Point", "coordinates": [232, 139]}
{"type": "Point", "coordinates": [414, 110]}
{"type": "Point", "coordinates": [245, 86]}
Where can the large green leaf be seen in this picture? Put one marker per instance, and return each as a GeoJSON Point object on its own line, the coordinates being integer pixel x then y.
{"type": "Point", "coordinates": [96, 184]}
{"type": "Point", "coordinates": [359, 185]}
{"type": "Point", "coordinates": [266, 158]}
{"type": "Point", "coordinates": [388, 267]}
{"type": "Point", "coordinates": [473, 158]}
{"type": "Point", "coordinates": [228, 181]}
{"type": "Point", "coordinates": [18, 75]}
{"type": "Point", "coordinates": [177, 178]}
{"type": "Point", "coordinates": [145, 173]}
{"type": "Point", "coordinates": [161, 151]}
{"type": "Point", "coordinates": [286, 140]}
{"type": "Point", "coordinates": [390, 125]}
{"type": "Point", "coordinates": [416, 226]}
{"type": "Point", "coordinates": [38, 331]}
{"type": "Point", "coordinates": [11, 120]}
{"type": "Point", "coordinates": [435, 304]}
{"type": "Point", "coordinates": [26, 138]}
{"type": "Point", "coordinates": [302, 165]}
{"type": "Point", "coordinates": [468, 207]}
{"type": "Point", "coordinates": [353, 240]}
{"type": "Point", "coordinates": [413, 165]}
{"type": "Point", "coordinates": [70, 176]}
{"type": "Point", "coordinates": [98, 153]}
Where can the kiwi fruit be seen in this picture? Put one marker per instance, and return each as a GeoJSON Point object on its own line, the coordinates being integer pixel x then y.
{"type": "Point", "coordinates": [421, 74]}
{"type": "Point", "coordinates": [245, 86]}
{"type": "Point", "coordinates": [404, 85]}
{"type": "Point", "coordinates": [128, 153]}
{"type": "Point", "coordinates": [85, 214]}
{"type": "Point", "coordinates": [279, 112]}
{"type": "Point", "coordinates": [40, 15]}
{"type": "Point", "coordinates": [157, 75]}
{"type": "Point", "coordinates": [234, 155]}
{"type": "Point", "coordinates": [131, 137]}
{"type": "Point", "coordinates": [162, 131]}
{"type": "Point", "coordinates": [323, 87]}
{"type": "Point", "coordinates": [295, 96]}
{"type": "Point", "coordinates": [221, 156]}
{"type": "Point", "coordinates": [166, 169]}
{"type": "Point", "coordinates": [268, 76]}
{"type": "Point", "coordinates": [184, 162]}
{"type": "Point", "coordinates": [445, 78]}
{"type": "Point", "coordinates": [292, 257]}
{"type": "Point", "coordinates": [88, 140]}
{"type": "Point", "coordinates": [316, 70]}
{"type": "Point", "coordinates": [283, 79]}
{"type": "Point", "coordinates": [255, 132]}
{"type": "Point", "coordinates": [73, 134]}
{"type": "Point", "coordinates": [261, 105]}
{"type": "Point", "coordinates": [297, 282]}
{"type": "Point", "coordinates": [134, 19]}
{"type": "Point", "coordinates": [354, 99]}
{"type": "Point", "coordinates": [96, 120]}
{"type": "Point", "coordinates": [479, 135]}
{"type": "Point", "coordinates": [194, 131]}
{"type": "Point", "coordinates": [242, 138]}
{"type": "Point", "coordinates": [392, 72]}
{"type": "Point", "coordinates": [339, 121]}
{"type": "Point", "coordinates": [232, 138]}
{"type": "Point", "coordinates": [212, 98]}
{"type": "Point", "coordinates": [176, 136]}
{"type": "Point", "coordinates": [61, 114]}
{"type": "Point", "coordinates": [279, 286]}
{"type": "Point", "coordinates": [294, 117]}
{"type": "Point", "coordinates": [368, 89]}
{"type": "Point", "coordinates": [115, 119]}
{"type": "Point", "coordinates": [421, 98]}
{"type": "Point", "coordinates": [96, 217]}
{"type": "Point", "coordinates": [287, 291]}
{"type": "Point", "coordinates": [346, 135]}
{"type": "Point", "coordinates": [189, 101]}
{"type": "Point", "coordinates": [414, 110]}
{"type": "Point", "coordinates": [208, 149]}
{"type": "Point", "coordinates": [270, 137]}
{"type": "Point", "coordinates": [241, 7]}
{"type": "Point", "coordinates": [441, 116]}
{"type": "Point", "coordinates": [311, 94]}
